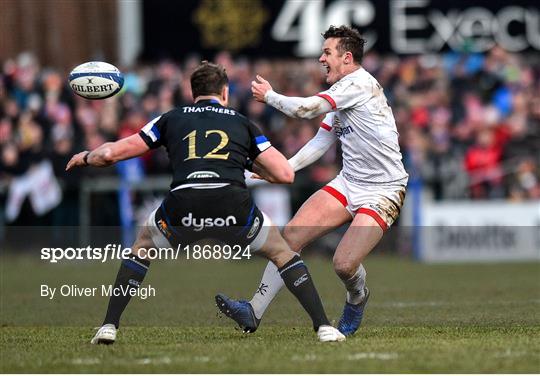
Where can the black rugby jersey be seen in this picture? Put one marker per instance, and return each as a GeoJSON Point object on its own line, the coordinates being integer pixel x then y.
{"type": "Point", "coordinates": [206, 142]}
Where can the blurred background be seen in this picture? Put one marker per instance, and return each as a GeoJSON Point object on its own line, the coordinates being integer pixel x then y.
{"type": "Point", "coordinates": [463, 82]}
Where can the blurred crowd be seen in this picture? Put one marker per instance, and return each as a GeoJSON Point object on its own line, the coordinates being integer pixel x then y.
{"type": "Point", "coordinates": [469, 124]}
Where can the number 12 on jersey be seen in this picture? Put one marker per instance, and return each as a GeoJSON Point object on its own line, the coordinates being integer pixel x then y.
{"type": "Point", "coordinates": [191, 137]}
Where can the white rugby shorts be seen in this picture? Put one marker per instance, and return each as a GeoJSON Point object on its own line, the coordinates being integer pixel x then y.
{"type": "Point", "coordinates": [381, 202]}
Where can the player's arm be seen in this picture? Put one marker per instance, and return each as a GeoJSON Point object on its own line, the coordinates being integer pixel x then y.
{"type": "Point", "coordinates": [110, 153]}
{"type": "Point", "coordinates": [314, 149]}
{"type": "Point", "coordinates": [273, 167]}
{"type": "Point", "coordinates": [298, 107]}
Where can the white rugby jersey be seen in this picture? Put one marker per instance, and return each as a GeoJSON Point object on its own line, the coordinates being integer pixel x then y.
{"type": "Point", "coordinates": [365, 125]}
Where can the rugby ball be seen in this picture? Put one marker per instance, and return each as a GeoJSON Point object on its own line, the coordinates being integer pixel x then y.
{"type": "Point", "coordinates": [96, 80]}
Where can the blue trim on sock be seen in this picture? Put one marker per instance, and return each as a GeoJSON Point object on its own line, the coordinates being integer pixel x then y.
{"type": "Point", "coordinates": [135, 267]}
{"type": "Point", "coordinates": [297, 264]}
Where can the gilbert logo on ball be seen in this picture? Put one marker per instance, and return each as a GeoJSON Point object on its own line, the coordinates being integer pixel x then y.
{"type": "Point", "coordinates": [96, 80]}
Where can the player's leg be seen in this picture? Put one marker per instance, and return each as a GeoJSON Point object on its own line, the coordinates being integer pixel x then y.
{"type": "Point", "coordinates": [323, 212]}
{"type": "Point", "coordinates": [298, 280]}
{"type": "Point", "coordinates": [295, 275]}
{"type": "Point", "coordinates": [378, 208]}
{"type": "Point", "coordinates": [319, 215]}
{"type": "Point", "coordinates": [361, 237]}
{"type": "Point", "coordinates": [130, 276]}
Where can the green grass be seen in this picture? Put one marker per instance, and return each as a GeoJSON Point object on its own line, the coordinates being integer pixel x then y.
{"type": "Point", "coordinates": [421, 318]}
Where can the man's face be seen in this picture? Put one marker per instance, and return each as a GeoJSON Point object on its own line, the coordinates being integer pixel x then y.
{"type": "Point", "coordinates": [332, 60]}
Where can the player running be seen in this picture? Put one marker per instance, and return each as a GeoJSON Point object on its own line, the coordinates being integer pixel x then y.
{"type": "Point", "coordinates": [369, 190]}
{"type": "Point", "coordinates": [209, 145]}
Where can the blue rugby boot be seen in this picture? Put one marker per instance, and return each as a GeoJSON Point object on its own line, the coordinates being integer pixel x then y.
{"type": "Point", "coordinates": [240, 311]}
{"type": "Point", "coordinates": [352, 315]}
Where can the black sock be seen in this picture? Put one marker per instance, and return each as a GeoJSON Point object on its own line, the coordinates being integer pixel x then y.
{"type": "Point", "coordinates": [130, 276]}
{"type": "Point", "coordinates": [298, 280]}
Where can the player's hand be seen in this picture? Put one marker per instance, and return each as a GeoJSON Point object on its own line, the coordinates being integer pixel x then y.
{"type": "Point", "coordinates": [259, 88]}
{"type": "Point", "coordinates": [256, 176]}
{"type": "Point", "coordinates": [77, 161]}
{"type": "Point", "coordinates": [260, 174]}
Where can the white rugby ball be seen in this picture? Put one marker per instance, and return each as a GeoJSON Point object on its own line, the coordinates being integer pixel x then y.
{"type": "Point", "coordinates": [96, 80]}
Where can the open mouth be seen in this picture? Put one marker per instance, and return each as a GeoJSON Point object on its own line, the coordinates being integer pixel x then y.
{"type": "Point", "coordinates": [327, 69]}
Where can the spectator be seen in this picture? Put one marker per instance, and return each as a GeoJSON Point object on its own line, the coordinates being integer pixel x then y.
{"type": "Point", "coordinates": [483, 164]}
{"type": "Point", "coordinates": [462, 117]}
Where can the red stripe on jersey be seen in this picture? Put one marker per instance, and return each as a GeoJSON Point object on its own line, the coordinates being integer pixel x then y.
{"type": "Point", "coordinates": [373, 214]}
{"type": "Point", "coordinates": [338, 195]}
{"type": "Point", "coordinates": [326, 127]}
{"type": "Point", "coordinates": [329, 99]}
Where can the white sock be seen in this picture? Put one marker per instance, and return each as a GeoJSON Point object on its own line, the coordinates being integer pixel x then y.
{"type": "Point", "coordinates": [270, 285]}
{"type": "Point", "coordinates": [355, 286]}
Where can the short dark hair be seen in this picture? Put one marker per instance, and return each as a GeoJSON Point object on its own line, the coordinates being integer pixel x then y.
{"type": "Point", "coordinates": [208, 79]}
{"type": "Point", "coordinates": [349, 40]}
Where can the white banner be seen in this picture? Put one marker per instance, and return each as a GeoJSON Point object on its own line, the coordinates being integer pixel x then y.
{"type": "Point", "coordinates": [40, 183]}
{"type": "Point", "coordinates": [479, 231]}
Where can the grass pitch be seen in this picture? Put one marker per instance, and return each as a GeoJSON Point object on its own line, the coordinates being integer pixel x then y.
{"type": "Point", "coordinates": [420, 318]}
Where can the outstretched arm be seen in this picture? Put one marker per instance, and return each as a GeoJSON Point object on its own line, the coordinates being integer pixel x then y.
{"type": "Point", "coordinates": [313, 150]}
{"type": "Point", "coordinates": [110, 153]}
{"type": "Point", "coordinates": [298, 107]}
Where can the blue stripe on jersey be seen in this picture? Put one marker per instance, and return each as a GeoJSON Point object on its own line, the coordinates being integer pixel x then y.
{"type": "Point", "coordinates": [260, 139]}
{"type": "Point", "coordinates": [155, 131]}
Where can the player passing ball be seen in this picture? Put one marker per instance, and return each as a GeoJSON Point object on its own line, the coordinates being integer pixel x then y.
{"type": "Point", "coordinates": [209, 146]}
{"type": "Point", "coordinates": [368, 191]}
